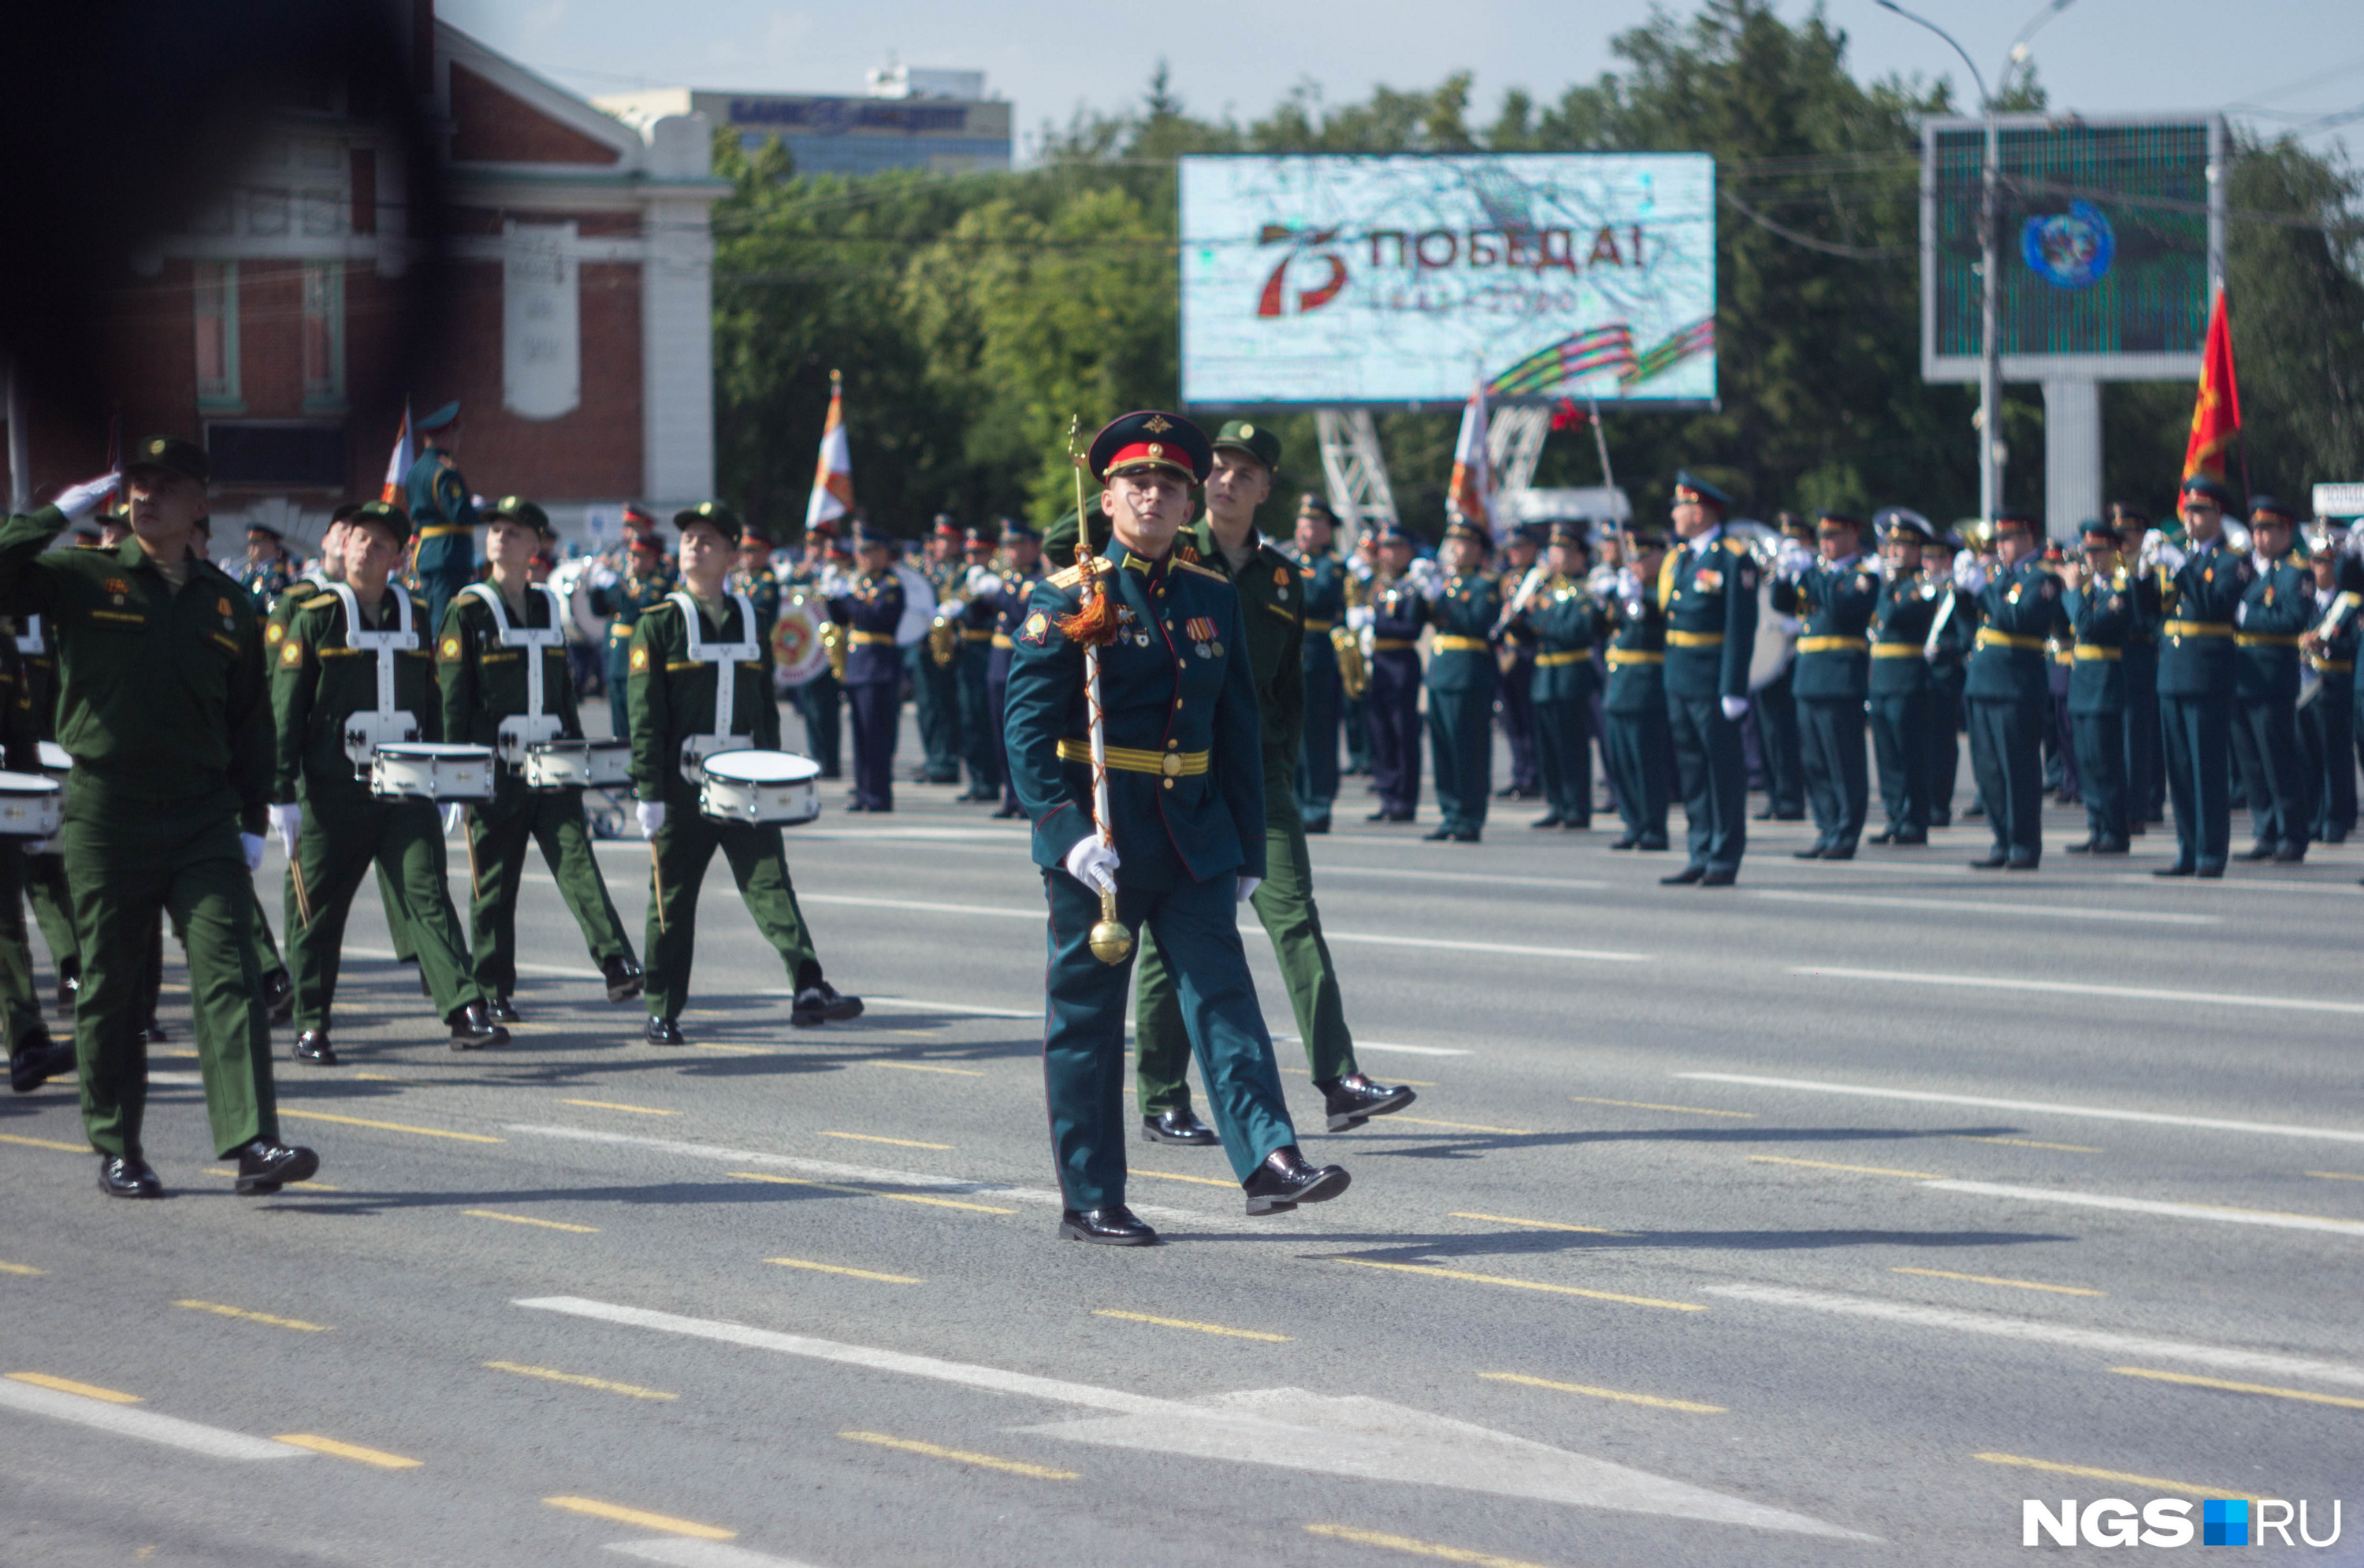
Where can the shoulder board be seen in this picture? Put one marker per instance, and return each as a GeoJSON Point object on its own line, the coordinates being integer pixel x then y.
{"type": "Point", "coordinates": [317, 603]}
{"type": "Point", "coordinates": [1202, 571]}
{"type": "Point", "coordinates": [1075, 574]}
{"type": "Point", "coordinates": [1737, 546]}
{"type": "Point", "coordinates": [1186, 553]}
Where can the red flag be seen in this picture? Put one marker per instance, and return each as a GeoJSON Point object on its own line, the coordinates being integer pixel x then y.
{"type": "Point", "coordinates": [2216, 416]}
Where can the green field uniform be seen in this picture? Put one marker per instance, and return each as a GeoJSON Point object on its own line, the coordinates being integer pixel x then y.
{"type": "Point", "coordinates": [484, 664]}
{"type": "Point", "coordinates": [162, 704]}
{"type": "Point", "coordinates": [321, 678]}
{"type": "Point", "coordinates": [1271, 589]}
{"type": "Point", "coordinates": [682, 656]}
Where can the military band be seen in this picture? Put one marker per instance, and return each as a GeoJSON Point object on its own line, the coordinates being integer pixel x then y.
{"type": "Point", "coordinates": [1832, 595]}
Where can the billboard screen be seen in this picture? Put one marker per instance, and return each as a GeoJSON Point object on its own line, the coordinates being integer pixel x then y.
{"type": "Point", "coordinates": [1404, 280]}
{"type": "Point", "coordinates": [2107, 241]}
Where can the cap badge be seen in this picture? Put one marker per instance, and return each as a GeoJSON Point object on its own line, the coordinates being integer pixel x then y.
{"type": "Point", "coordinates": [1158, 424]}
{"type": "Point", "coordinates": [1247, 430]}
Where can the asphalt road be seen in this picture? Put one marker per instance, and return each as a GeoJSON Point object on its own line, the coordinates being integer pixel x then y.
{"type": "Point", "coordinates": [1820, 1220]}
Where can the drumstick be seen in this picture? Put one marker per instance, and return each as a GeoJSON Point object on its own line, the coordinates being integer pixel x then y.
{"type": "Point", "coordinates": [303, 899]}
{"type": "Point", "coordinates": [656, 883]}
{"type": "Point", "coordinates": [475, 883]}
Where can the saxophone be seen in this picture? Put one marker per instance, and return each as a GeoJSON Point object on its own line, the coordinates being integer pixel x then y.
{"type": "Point", "coordinates": [1354, 674]}
{"type": "Point", "coordinates": [832, 640]}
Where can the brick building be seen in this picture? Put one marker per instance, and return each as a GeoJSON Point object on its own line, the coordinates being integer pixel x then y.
{"type": "Point", "coordinates": [564, 298]}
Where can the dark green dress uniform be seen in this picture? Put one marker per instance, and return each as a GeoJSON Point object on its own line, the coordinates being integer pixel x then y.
{"type": "Point", "coordinates": [482, 661]}
{"type": "Point", "coordinates": [973, 665]}
{"type": "Point", "coordinates": [1392, 703]}
{"type": "Point", "coordinates": [2010, 695]}
{"type": "Point", "coordinates": [1317, 768]}
{"type": "Point", "coordinates": [2145, 770]}
{"type": "Point", "coordinates": [1563, 621]}
{"type": "Point", "coordinates": [2195, 701]}
{"type": "Point", "coordinates": [2277, 610]}
{"type": "Point", "coordinates": [1637, 747]}
{"type": "Point", "coordinates": [1907, 709]}
{"type": "Point", "coordinates": [1830, 683]}
{"type": "Point", "coordinates": [1708, 589]}
{"type": "Point", "coordinates": [444, 513]}
{"type": "Point", "coordinates": [870, 610]}
{"type": "Point", "coordinates": [161, 703]}
{"type": "Point", "coordinates": [2102, 616]}
{"type": "Point", "coordinates": [682, 652]}
{"type": "Point", "coordinates": [1462, 676]}
{"type": "Point", "coordinates": [1272, 609]}
{"type": "Point", "coordinates": [35, 695]}
{"type": "Point", "coordinates": [1954, 637]}
{"type": "Point", "coordinates": [1006, 599]}
{"type": "Point", "coordinates": [326, 673]}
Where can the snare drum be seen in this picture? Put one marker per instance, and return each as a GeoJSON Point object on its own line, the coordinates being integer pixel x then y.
{"type": "Point", "coordinates": [54, 758]}
{"type": "Point", "coordinates": [421, 770]}
{"type": "Point", "coordinates": [763, 788]}
{"type": "Point", "coordinates": [29, 806]}
{"type": "Point", "coordinates": [578, 764]}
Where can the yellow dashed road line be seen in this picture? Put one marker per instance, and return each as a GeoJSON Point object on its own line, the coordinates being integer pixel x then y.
{"type": "Point", "coordinates": [2149, 1482]}
{"type": "Point", "coordinates": [2185, 1377]}
{"type": "Point", "coordinates": [388, 1126]}
{"type": "Point", "coordinates": [1519, 1284]}
{"type": "Point", "coordinates": [1994, 1279]}
{"type": "Point", "coordinates": [874, 1138]}
{"type": "Point", "coordinates": [1538, 1224]}
{"type": "Point", "coordinates": [2025, 1143]}
{"type": "Point", "coordinates": [528, 1219]}
{"type": "Point", "coordinates": [20, 1269]}
{"type": "Point", "coordinates": [220, 1310]}
{"type": "Point", "coordinates": [45, 1144]}
{"type": "Point", "coordinates": [923, 1067]}
{"type": "Point", "coordinates": [1461, 1126]}
{"type": "Point", "coordinates": [548, 1374]}
{"type": "Point", "coordinates": [68, 1386]}
{"type": "Point", "coordinates": [840, 1269]}
{"type": "Point", "coordinates": [1618, 1394]}
{"type": "Point", "coordinates": [2336, 1176]}
{"type": "Point", "coordinates": [612, 1106]}
{"type": "Point", "coordinates": [663, 1524]}
{"type": "Point", "coordinates": [1197, 1327]}
{"type": "Point", "coordinates": [871, 1192]}
{"type": "Point", "coordinates": [1859, 1170]}
{"type": "Point", "coordinates": [1178, 1176]}
{"type": "Point", "coordinates": [962, 1456]}
{"type": "Point", "coordinates": [1647, 1105]}
{"type": "Point", "coordinates": [353, 1451]}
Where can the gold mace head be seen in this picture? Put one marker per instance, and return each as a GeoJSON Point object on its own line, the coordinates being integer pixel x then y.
{"type": "Point", "coordinates": [1109, 941]}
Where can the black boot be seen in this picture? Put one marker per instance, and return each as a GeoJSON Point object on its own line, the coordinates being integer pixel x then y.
{"type": "Point", "coordinates": [313, 1045]}
{"type": "Point", "coordinates": [1286, 1180]}
{"type": "Point", "coordinates": [1354, 1099]}
{"type": "Point", "coordinates": [37, 1060]}
{"type": "Point", "coordinates": [662, 1031]}
{"type": "Point", "coordinates": [473, 1028]}
{"type": "Point", "coordinates": [1177, 1126]}
{"type": "Point", "coordinates": [819, 1003]}
{"type": "Point", "coordinates": [501, 1010]}
{"type": "Point", "coordinates": [127, 1175]}
{"type": "Point", "coordinates": [265, 1165]}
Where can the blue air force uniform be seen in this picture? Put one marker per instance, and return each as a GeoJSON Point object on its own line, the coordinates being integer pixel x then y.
{"type": "Point", "coordinates": [1708, 589]}
{"type": "Point", "coordinates": [1834, 601]}
{"type": "Point", "coordinates": [870, 610]}
{"type": "Point", "coordinates": [2010, 695]}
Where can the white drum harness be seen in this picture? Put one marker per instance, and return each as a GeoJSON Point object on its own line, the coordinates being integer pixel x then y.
{"type": "Point", "coordinates": [726, 657]}
{"type": "Point", "coordinates": [387, 725]}
{"type": "Point", "coordinates": [534, 725]}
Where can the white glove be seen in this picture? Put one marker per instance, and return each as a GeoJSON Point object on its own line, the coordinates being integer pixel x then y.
{"type": "Point", "coordinates": [1093, 863]}
{"type": "Point", "coordinates": [1629, 584]}
{"type": "Point", "coordinates": [1360, 616]}
{"type": "Point", "coordinates": [651, 814]}
{"type": "Point", "coordinates": [1968, 576]}
{"type": "Point", "coordinates": [287, 821]}
{"type": "Point", "coordinates": [2168, 555]}
{"type": "Point", "coordinates": [1735, 708]}
{"type": "Point", "coordinates": [253, 844]}
{"type": "Point", "coordinates": [1789, 625]}
{"type": "Point", "coordinates": [1248, 884]}
{"type": "Point", "coordinates": [79, 501]}
{"type": "Point", "coordinates": [1793, 560]}
{"type": "Point", "coordinates": [2241, 613]}
{"type": "Point", "coordinates": [452, 815]}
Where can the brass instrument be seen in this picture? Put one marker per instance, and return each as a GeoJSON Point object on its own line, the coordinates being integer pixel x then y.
{"type": "Point", "coordinates": [944, 639]}
{"type": "Point", "coordinates": [832, 639]}
{"type": "Point", "coordinates": [1353, 675]}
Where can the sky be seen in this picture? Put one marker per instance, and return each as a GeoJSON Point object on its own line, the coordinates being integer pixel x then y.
{"type": "Point", "coordinates": [2274, 64]}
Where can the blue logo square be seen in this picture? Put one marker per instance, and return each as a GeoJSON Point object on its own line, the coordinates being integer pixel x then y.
{"type": "Point", "coordinates": [2224, 1521]}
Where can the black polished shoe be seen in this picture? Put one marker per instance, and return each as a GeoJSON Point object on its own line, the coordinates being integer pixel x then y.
{"type": "Point", "coordinates": [1885, 836]}
{"type": "Point", "coordinates": [279, 996]}
{"type": "Point", "coordinates": [1839, 853]}
{"type": "Point", "coordinates": [501, 1010]}
{"type": "Point", "coordinates": [1684, 877]}
{"type": "Point", "coordinates": [1627, 842]}
{"type": "Point", "coordinates": [1180, 1126]}
{"type": "Point", "coordinates": [153, 1032]}
{"type": "Point", "coordinates": [1718, 878]}
{"type": "Point", "coordinates": [37, 1060]}
{"type": "Point", "coordinates": [1286, 1180]}
{"type": "Point", "coordinates": [2260, 851]}
{"type": "Point", "coordinates": [662, 1031]}
{"type": "Point", "coordinates": [1354, 1099]}
{"type": "Point", "coordinates": [2111, 846]}
{"type": "Point", "coordinates": [265, 1166]}
{"type": "Point", "coordinates": [1465, 835]}
{"type": "Point", "coordinates": [127, 1175]}
{"type": "Point", "coordinates": [1321, 826]}
{"type": "Point", "coordinates": [2290, 855]}
{"type": "Point", "coordinates": [1112, 1227]}
{"type": "Point", "coordinates": [2021, 862]}
{"type": "Point", "coordinates": [1020, 811]}
{"type": "Point", "coordinates": [473, 1028]}
{"type": "Point", "coordinates": [1553, 821]}
{"type": "Point", "coordinates": [1810, 852]}
{"type": "Point", "coordinates": [1436, 835]}
{"type": "Point", "coordinates": [2211, 873]}
{"type": "Point", "coordinates": [313, 1045]}
{"type": "Point", "coordinates": [819, 1004]}
{"type": "Point", "coordinates": [2084, 849]}
{"type": "Point", "coordinates": [1579, 824]}
{"type": "Point", "coordinates": [624, 978]}
{"type": "Point", "coordinates": [2179, 869]}
{"type": "Point", "coordinates": [1380, 816]}
{"type": "Point", "coordinates": [1908, 841]}
{"type": "Point", "coordinates": [1994, 862]}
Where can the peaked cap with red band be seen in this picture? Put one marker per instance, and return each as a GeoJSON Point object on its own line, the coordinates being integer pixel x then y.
{"type": "Point", "coordinates": [1152, 440]}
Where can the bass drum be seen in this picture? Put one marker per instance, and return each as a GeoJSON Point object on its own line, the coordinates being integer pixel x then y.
{"type": "Point", "coordinates": [797, 651]}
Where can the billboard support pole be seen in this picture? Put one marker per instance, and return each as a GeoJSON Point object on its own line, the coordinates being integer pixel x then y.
{"type": "Point", "coordinates": [1514, 441]}
{"type": "Point", "coordinates": [1601, 441]}
{"type": "Point", "coordinates": [1354, 471]}
{"type": "Point", "coordinates": [1990, 447]}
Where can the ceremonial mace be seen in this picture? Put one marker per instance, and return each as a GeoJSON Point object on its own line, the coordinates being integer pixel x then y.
{"type": "Point", "coordinates": [1109, 941]}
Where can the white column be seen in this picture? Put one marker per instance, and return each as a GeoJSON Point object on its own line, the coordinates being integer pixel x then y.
{"type": "Point", "coordinates": [677, 325]}
{"type": "Point", "coordinates": [2072, 455]}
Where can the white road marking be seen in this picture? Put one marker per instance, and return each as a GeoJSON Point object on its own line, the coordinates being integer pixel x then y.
{"type": "Point", "coordinates": [1283, 1427]}
{"type": "Point", "coordinates": [555, 971]}
{"type": "Point", "coordinates": [1979, 907]}
{"type": "Point", "coordinates": [1569, 881]}
{"type": "Point", "coordinates": [2037, 1331]}
{"type": "Point", "coordinates": [2044, 1107]}
{"type": "Point", "coordinates": [2219, 1215]}
{"type": "Point", "coordinates": [215, 1443]}
{"type": "Point", "coordinates": [2077, 988]}
{"type": "Point", "coordinates": [174, 1079]}
{"type": "Point", "coordinates": [688, 1552]}
{"type": "Point", "coordinates": [988, 910]}
{"type": "Point", "coordinates": [1032, 1015]}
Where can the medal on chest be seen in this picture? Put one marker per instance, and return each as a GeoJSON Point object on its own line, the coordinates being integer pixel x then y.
{"type": "Point", "coordinates": [1708, 580]}
{"type": "Point", "coordinates": [1202, 632]}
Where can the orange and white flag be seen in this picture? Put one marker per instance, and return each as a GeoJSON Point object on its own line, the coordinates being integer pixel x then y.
{"type": "Point", "coordinates": [398, 466]}
{"type": "Point", "coordinates": [832, 491]}
{"type": "Point", "coordinates": [1471, 498]}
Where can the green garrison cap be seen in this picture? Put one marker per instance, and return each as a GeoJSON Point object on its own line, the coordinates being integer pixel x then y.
{"type": "Point", "coordinates": [715, 515]}
{"type": "Point", "coordinates": [1256, 440]}
{"type": "Point", "coordinates": [172, 454]}
{"type": "Point", "coordinates": [385, 515]}
{"type": "Point", "coordinates": [517, 509]}
{"type": "Point", "coordinates": [1059, 539]}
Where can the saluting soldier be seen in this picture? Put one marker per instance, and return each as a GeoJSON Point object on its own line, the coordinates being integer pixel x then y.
{"type": "Point", "coordinates": [646, 579]}
{"type": "Point", "coordinates": [1708, 589]}
{"type": "Point", "coordinates": [2145, 771]}
{"type": "Point", "coordinates": [2326, 730]}
{"type": "Point", "coordinates": [1272, 609]}
{"type": "Point", "coordinates": [1020, 569]}
{"type": "Point", "coordinates": [870, 610]}
{"type": "Point", "coordinates": [1562, 621]}
{"type": "Point", "coordinates": [2276, 611]}
{"type": "Point", "coordinates": [2018, 606]}
{"type": "Point", "coordinates": [2201, 584]}
{"type": "Point", "coordinates": [443, 511]}
{"type": "Point", "coordinates": [1514, 656]}
{"type": "Point", "coordinates": [491, 638]}
{"type": "Point", "coordinates": [161, 704]}
{"type": "Point", "coordinates": [1638, 746]}
{"type": "Point", "coordinates": [1187, 820]}
{"type": "Point", "coordinates": [1391, 706]}
{"type": "Point", "coordinates": [1906, 706]}
{"type": "Point", "coordinates": [329, 671]}
{"type": "Point", "coordinates": [1462, 677]}
{"type": "Point", "coordinates": [974, 608]}
{"type": "Point", "coordinates": [1833, 596]}
{"type": "Point", "coordinates": [1325, 610]}
{"type": "Point", "coordinates": [2100, 609]}
{"type": "Point", "coordinates": [702, 682]}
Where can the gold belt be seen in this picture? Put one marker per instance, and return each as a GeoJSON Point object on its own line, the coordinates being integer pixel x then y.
{"type": "Point", "coordinates": [2262, 640]}
{"type": "Point", "coordinates": [1896, 651]}
{"type": "Point", "coordinates": [445, 530]}
{"type": "Point", "coordinates": [2088, 651]}
{"type": "Point", "coordinates": [873, 638]}
{"type": "Point", "coordinates": [970, 634]}
{"type": "Point", "coordinates": [1124, 759]}
{"type": "Point", "coordinates": [1391, 644]}
{"type": "Point", "coordinates": [2334, 666]}
{"type": "Point", "coordinates": [1620, 656]}
{"type": "Point", "coordinates": [1568, 656]}
{"type": "Point", "coordinates": [1832, 644]}
{"type": "Point", "coordinates": [1313, 625]}
{"type": "Point", "coordinates": [1447, 643]}
{"type": "Point", "coordinates": [1694, 640]}
{"type": "Point", "coordinates": [1003, 640]}
{"type": "Point", "coordinates": [1989, 638]}
{"type": "Point", "coordinates": [2199, 628]}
